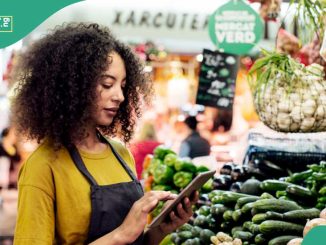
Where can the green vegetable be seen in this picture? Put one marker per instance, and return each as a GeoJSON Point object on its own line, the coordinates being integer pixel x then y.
{"type": "Point", "coordinates": [301, 216]}
{"type": "Point", "coordinates": [244, 200]}
{"type": "Point", "coordinates": [280, 194]}
{"type": "Point", "coordinates": [184, 235]}
{"type": "Point", "coordinates": [218, 209]}
{"type": "Point", "coordinates": [204, 210]}
{"type": "Point", "coordinates": [161, 188]}
{"type": "Point", "coordinates": [276, 205]}
{"type": "Point", "coordinates": [299, 177]}
{"type": "Point", "coordinates": [163, 174]}
{"type": "Point", "coordinates": [200, 220]}
{"type": "Point", "coordinates": [193, 241]}
{"type": "Point", "coordinates": [181, 165]}
{"type": "Point", "coordinates": [227, 216]}
{"type": "Point", "coordinates": [214, 193]}
{"type": "Point", "coordinates": [321, 177]}
{"type": "Point", "coordinates": [281, 240]}
{"type": "Point", "coordinates": [274, 185]}
{"type": "Point", "coordinates": [153, 165]}
{"type": "Point", "coordinates": [300, 191]}
{"type": "Point", "coordinates": [253, 228]}
{"type": "Point", "coordinates": [266, 195]}
{"type": "Point", "coordinates": [205, 236]}
{"type": "Point", "coordinates": [243, 235]}
{"type": "Point", "coordinates": [170, 159]}
{"type": "Point", "coordinates": [251, 186]}
{"type": "Point", "coordinates": [182, 179]}
{"type": "Point", "coordinates": [157, 210]}
{"type": "Point", "coordinates": [272, 227]}
{"type": "Point", "coordinates": [235, 229]}
{"type": "Point", "coordinates": [208, 186]}
{"type": "Point", "coordinates": [322, 200]}
{"type": "Point", "coordinates": [322, 191]}
{"type": "Point", "coordinates": [236, 215]}
{"type": "Point", "coordinates": [195, 230]}
{"type": "Point", "coordinates": [247, 207]}
{"type": "Point", "coordinates": [201, 169]}
{"type": "Point", "coordinates": [167, 240]}
{"type": "Point", "coordinates": [260, 239]}
{"type": "Point", "coordinates": [185, 227]}
{"type": "Point", "coordinates": [161, 151]}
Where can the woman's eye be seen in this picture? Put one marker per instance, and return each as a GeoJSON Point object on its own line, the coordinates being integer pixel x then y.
{"type": "Point", "coordinates": [106, 86]}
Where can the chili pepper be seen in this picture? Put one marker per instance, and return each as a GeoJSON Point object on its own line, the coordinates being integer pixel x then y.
{"type": "Point", "coordinates": [161, 151]}
{"type": "Point", "coordinates": [181, 165]}
{"type": "Point", "coordinates": [163, 174]}
{"type": "Point", "coordinates": [170, 159]}
{"type": "Point", "coordinates": [182, 179]}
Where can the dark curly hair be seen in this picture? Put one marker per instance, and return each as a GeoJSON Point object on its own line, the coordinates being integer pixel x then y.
{"type": "Point", "coordinates": [58, 76]}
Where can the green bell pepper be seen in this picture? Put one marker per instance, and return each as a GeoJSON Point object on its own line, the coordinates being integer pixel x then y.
{"type": "Point", "coordinates": [157, 210]}
{"type": "Point", "coordinates": [202, 168]}
{"type": "Point", "coordinates": [161, 151]}
{"type": "Point", "coordinates": [181, 165]}
{"type": "Point", "coordinates": [208, 186]}
{"type": "Point", "coordinates": [182, 179]}
{"type": "Point", "coordinates": [161, 188]}
{"type": "Point", "coordinates": [153, 165]}
{"type": "Point", "coordinates": [170, 159]}
{"type": "Point", "coordinates": [163, 174]}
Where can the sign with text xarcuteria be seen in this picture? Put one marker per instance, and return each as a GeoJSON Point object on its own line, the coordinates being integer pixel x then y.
{"type": "Point", "coordinates": [235, 27]}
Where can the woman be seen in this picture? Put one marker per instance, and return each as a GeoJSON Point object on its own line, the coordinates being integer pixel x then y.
{"type": "Point", "coordinates": [79, 86]}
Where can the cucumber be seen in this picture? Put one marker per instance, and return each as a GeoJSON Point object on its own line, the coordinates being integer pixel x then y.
{"type": "Point", "coordinates": [276, 205]}
{"type": "Point", "coordinates": [195, 230]}
{"type": "Point", "coordinates": [253, 228]}
{"type": "Point", "coordinates": [235, 229]}
{"type": "Point", "coordinates": [301, 216]}
{"type": "Point", "coordinates": [299, 177]}
{"type": "Point", "coordinates": [280, 194]}
{"type": "Point", "coordinates": [270, 227]}
{"type": "Point", "coordinates": [260, 239]}
{"type": "Point", "coordinates": [205, 236]}
{"type": "Point", "coordinates": [273, 185]}
{"type": "Point", "coordinates": [227, 216]}
{"type": "Point", "coordinates": [301, 192]}
{"type": "Point", "coordinates": [236, 215]}
{"type": "Point", "coordinates": [218, 209]}
{"type": "Point", "coordinates": [184, 235]}
{"type": "Point", "coordinates": [244, 200]}
{"type": "Point", "coordinates": [269, 215]}
{"type": "Point", "coordinates": [230, 197]}
{"type": "Point", "coordinates": [266, 195]}
{"type": "Point", "coordinates": [281, 240]}
{"type": "Point", "coordinates": [247, 207]}
{"type": "Point", "coordinates": [243, 235]}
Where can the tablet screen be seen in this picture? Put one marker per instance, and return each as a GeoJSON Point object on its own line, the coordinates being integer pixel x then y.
{"type": "Point", "coordinates": [194, 185]}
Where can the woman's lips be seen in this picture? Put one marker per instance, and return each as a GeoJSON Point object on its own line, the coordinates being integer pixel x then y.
{"type": "Point", "coordinates": [111, 111]}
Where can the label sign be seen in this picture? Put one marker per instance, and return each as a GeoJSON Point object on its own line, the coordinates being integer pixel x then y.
{"type": "Point", "coordinates": [217, 77]}
{"type": "Point", "coordinates": [235, 27]}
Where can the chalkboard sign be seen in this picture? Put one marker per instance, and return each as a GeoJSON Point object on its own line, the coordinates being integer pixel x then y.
{"type": "Point", "coordinates": [217, 77]}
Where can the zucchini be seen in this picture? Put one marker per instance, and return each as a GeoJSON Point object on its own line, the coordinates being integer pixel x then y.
{"type": "Point", "coordinates": [195, 230]}
{"type": "Point", "coordinates": [280, 194]}
{"type": "Point", "coordinates": [229, 197]}
{"type": "Point", "coordinates": [276, 205]}
{"type": "Point", "coordinates": [218, 209]}
{"type": "Point", "coordinates": [247, 207]}
{"type": "Point", "coordinates": [185, 227]}
{"type": "Point", "coordinates": [269, 215]}
{"type": "Point", "coordinates": [214, 193]}
{"type": "Point", "coordinates": [244, 200]}
{"type": "Point", "coordinates": [301, 216]}
{"type": "Point", "coordinates": [253, 228]}
{"type": "Point", "coordinates": [273, 185]}
{"type": "Point", "coordinates": [243, 235]}
{"type": "Point", "coordinates": [266, 195]}
{"type": "Point", "coordinates": [301, 192]}
{"type": "Point", "coordinates": [281, 240]}
{"type": "Point", "coordinates": [236, 215]}
{"type": "Point", "coordinates": [227, 216]}
{"type": "Point", "coordinates": [260, 239]}
{"type": "Point", "coordinates": [205, 236]}
{"type": "Point", "coordinates": [184, 235]}
{"type": "Point", "coordinates": [246, 225]}
{"type": "Point", "coordinates": [270, 227]}
{"type": "Point", "coordinates": [235, 229]}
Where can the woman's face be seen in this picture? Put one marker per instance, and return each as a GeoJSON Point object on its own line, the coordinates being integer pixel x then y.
{"type": "Point", "coordinates": [109, 91]}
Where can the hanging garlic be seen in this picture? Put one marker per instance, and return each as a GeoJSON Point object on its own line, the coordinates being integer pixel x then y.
{"type": "Point", "coordinates": [296, 114]}
{"type": "Point", "coordinates": [320, 112]}
{"type": "Point", "coordinates": [307, 124]}
{"type": "Point", "coordinates": [308, 107]}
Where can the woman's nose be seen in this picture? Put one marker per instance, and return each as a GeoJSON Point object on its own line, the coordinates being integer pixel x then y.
{"type": "Point", "coordinates": [118, 95]}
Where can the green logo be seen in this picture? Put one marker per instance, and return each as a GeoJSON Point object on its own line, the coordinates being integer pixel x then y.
{"type": "Point", "coordinates": [6, 24]}
{"type": "Point", "coordinates": [316, 236]}
{"type": "Point", "coordinates": [235, 27]}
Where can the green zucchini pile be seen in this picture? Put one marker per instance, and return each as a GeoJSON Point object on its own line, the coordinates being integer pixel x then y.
{"type": "Point", "coordinates": [276, 216]}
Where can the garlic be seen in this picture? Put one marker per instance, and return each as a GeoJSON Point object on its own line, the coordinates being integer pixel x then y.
{"type": "Point", "coordinates": [284, 119]}
{"type": "Point", "coordinates": [296, 114]}
{"type": "Point", "coordinates": [307, 124]}
{"type": "Point", "coordinates": [308, 107]}
{"type": "Point", "coordinates": [320, 112]}
{"type": "Point", "coordinates": [295, 97]}
{"type": "Point", "coordinates": [294, 127]}
{"type": "Point", "coordinates": [284, 106]}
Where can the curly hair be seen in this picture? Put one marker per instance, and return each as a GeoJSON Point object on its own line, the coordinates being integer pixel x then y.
{"type": "Point", "coordinates": [58, 76]}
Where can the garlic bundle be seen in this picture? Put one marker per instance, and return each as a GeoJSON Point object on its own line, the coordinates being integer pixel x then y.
{"type": "Point", "coordinates": [300, 107]}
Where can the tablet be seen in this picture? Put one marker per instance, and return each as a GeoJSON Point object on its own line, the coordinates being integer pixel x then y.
{"type": "Point", "coordinates": [194, 185]}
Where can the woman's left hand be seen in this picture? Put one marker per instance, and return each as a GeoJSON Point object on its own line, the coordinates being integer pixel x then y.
{"type": "Point", "coordinates": [181, 216]}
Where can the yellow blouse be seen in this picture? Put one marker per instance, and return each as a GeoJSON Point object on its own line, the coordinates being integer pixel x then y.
{"type": "Point", "coordinates": [54, 203]}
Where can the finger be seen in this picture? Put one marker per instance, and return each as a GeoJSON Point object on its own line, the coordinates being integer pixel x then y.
{"type": "Point", "coordinates": [181, 212]}
{"type": "Point", "coordinates": [149, 206]}
{"type": "Point", "coordinates": [175, 220]}
{"type": "Point", "coordinates": [162, 195]}
{"type": "Point", "coordinates": [195, 197]}
{"type": "Point", "coordinates": [187, 205]}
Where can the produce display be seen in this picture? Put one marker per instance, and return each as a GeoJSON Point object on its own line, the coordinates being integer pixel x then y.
{"type": "Point", "coordinates": [166, 171]}
{"type": "Point", "coordinates": [284, 211]}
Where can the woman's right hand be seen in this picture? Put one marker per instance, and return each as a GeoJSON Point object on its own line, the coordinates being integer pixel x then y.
{"type": "Point", "coordinates": [136, 220]}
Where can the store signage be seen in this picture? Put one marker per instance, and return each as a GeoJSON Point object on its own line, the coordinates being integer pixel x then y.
{"type": "Point", "coordinates": [235, 27]}
{"type": "Point", "coordinates": [217, 77]}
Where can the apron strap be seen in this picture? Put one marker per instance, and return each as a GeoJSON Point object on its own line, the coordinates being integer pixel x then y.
{"type": "Point", "coordinates": [122, 162]}
{"type": "Point", "coordinates": [80, 164]}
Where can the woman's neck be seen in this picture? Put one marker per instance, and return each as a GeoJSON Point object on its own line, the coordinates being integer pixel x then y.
{"type": "Point", "coordinates": [91, 143]}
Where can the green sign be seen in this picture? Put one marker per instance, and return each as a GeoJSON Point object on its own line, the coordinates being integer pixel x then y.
{"type": "Point", "coordinates": [235, 27]}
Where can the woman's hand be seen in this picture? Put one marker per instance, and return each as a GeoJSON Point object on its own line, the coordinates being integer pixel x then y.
{"type": "Point", "coordinates": [181, 216]}
{"type": "Point", "coordinates": [135, 222]}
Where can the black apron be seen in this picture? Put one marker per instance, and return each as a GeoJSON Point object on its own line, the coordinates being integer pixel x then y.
{"type": "Point", "coordinates": [110, 204]}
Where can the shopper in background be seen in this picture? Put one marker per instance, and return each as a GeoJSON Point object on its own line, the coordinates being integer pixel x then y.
{"type": "Point", "coordinates": [144, 145]}
{"type": "Point", "coordinates": [9, 159]}
{"type": "Point", "coordinates": [80, 87]}
{"type": "Point", "coordinates": [193, 145]}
